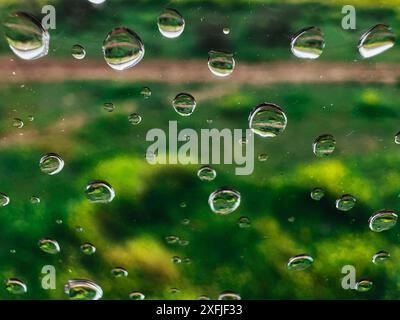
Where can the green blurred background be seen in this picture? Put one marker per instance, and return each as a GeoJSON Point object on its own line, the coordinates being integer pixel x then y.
{"type": "Point", "coordinates": [152, 201]}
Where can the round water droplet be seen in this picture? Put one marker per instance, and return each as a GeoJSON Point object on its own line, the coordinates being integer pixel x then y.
{"type": "Point", "coordinates": [183, 243]}
{"type": "Point", "coordinates": [263, 157]}
{"type": "Point", "coordinates": [382, 220]}
{"type": "Point", "coordinates": [31, 118]}
{"type": "Point", "coordinates": [185, 222]}
{"type": "Point", "coordinates": [78, 52]}
{"type": "Point", "coordinates": [224, 201]}
{"type": "Point", "coordinates": [397, 138]}
{"type": "Point", "coordinates": [308, 43]}
{"type": "Point", "coordinates": [244, 222]}
{"type": "Point", "coordinates": [184, 104]}
{"type": "Point", "coordinates": [136, 295]}
{"type": "Point", "coordinates": [267, 120]}
{"type": "Point", "coordinates": [324, 145]}
{"type": "Point", "coordinates": [135, 118]}
{"type": "Point", "coordinates": [88, 249]}
{"type": "Point", "coordinates": [176, 259]}
{"type": "Point", "coordinates": [221, 63]}
{"type": "Point", "coordinates": [187, 261]}
{"type": "Point", "coordinates": [15, 286]}
{"type": "Point", "coordinates": [49, 246]}
{"type": "Point", "coordinates": [364, 285]}
{"type": "Point", "coordinates": [376, 40]}
{"type": "Point", "coordinates": [206, 173]}
{"type": "Point", "coordinates": [97, 1]}
{"type": "Point", "coordinates": [291, 219]}
{"type": "Point", "coordinates": [300, 262]}
{"type": "Point", "coordinates": [170, 23]}
{"type": "Point", "coordinates": [346, 202]}
{"type": "Point", "coordinates": [122, 49]}
{"type": "Point", "coordinates": [171, 239]}
{"type": "Point", "coordinates": [146, 92]}
{"type": "Point", "coordinates": [4, 199]}
{"type": "Point", "coordinates": [226, 30]}
{"type": "Point", "coordinates": [203, 297]}
{"type": "Point", "coordinates": [51, 164]}
{"type": "Point", "coordinates": [99, 192]}
{"type": "Point", "coordinates": [317, 194]}
{"type": "Point", "coordinates": [81, 289]}
{"type": "Point", "coordinates": [174, 290]}
{"type": "Point", "coordinates": [380, 257]}
{"type": "Point", "coordinates": [59, 221]}
{"type": "Point", "coordinates": [26, 36]}
{"type": "Point", "coordinates": [35, 200]}
{"type": "Point", "coordinates": [229, 295]}
{"type": "Point", "coordinates": [108, 106]}
{"type": "Point", "coordinates": [17, 123]}
{"type": "Point", "coordinates": [119, 272]}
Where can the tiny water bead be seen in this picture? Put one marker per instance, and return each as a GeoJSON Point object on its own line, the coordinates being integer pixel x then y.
{"type": "Point", "coordinates": [346, 202]}
{"type": "Point", "coordinates": [226, 30]}
{"type": "Point", "coordinates": [308, 43]}
{"type": "Point", "coordinates": [229, 295]}
{"type": "Point", "coordinates": [119, 272]}
{"type": "Point", "coordinates": [49, 246]}
{"type": "Point", "coordinates": [206, 173]}
{"type": "Point", "coordinates": [82, 289]}
{"type": "Point", "coordinates": [17, 123]}
{"type": "Point", "coordinates": [176, 260]}
{"type": "Point", "coordinates": [221, 63]}
{"type": "Point", "coordinates": [324, 145]}
{"type": "Point", "coordinates": [109, 106]}
{"type": "Point", "coordinates": [99, 192]}
{"type": "Point", "coordinates": [25, 36]}
{"type": "Point", "coordinates": [31, 118]}
{"type": "Point", "coordinates": [300, 262]}
{"type": "Point", "coordinates": [15, 286]}
{"type": "Point", "coordinates": [397, 138]}
{"type": "Point", "coordinates": [171, 239]}
{"type": "Point", "coordinates": [35, 200]}
{"type": "Point", "coordinates": [146, 92]}
{"type": "Point", "coordinates": [376, 40]}
{"type": "Point", "coordinates": [51, 164]}
{"type": "Point", "coordinates": [317, 194]}
{"type": "Point", "coordinates": [4, 199]}
{"type": "Point", "coordinates": [97, 1]}
{"type": "Point", "coordinates": [244, 222]}
{"type": "Point", "coordinates": [122, 49]}
{"type": "Point", "coordinates": [382, 220]}
{"type": "Point", "coordinates": [203, 297]}
{"type": "Point", "coordinates": [267, 120]}
{"type": "Point", "coordinates": [364, 285]}
{"type": "Point", "coordinates": [263, 157]}
{"type": "Point", "coordinates": [136, 295]}
{"type": "Point", "coordinates": [185, 222]}
{"type": "Point", "coordinates": [170, 23]}
{"type": "Point", "coordinates": [88, 249]}
{"type": "Point", "coordinates": [78, 52]}
{"type": "Point", "coordinates": [380, 257]}
{"type": "Point", "coordinates": [184, 104]}
{"type": "Point", "coordinates": [183, 243]}
{"type": "Point", "coordinates": [224, 201]}
{"type": "Point", "coordinates": [135, 118]}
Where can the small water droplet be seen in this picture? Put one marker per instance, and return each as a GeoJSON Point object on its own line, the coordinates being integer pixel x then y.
{"type": "Point", "coordinates": [263, 157]}
{"type": "Point", "coordinates": [49, 246]}
{"type": "Point", "coordinates": [184, 104]}
{"type": "Point", "coordinates": [291, 219]}
{"type": "Point", "coordinates": [13, 251]}
{"type": "Point", "coordinates": [203, 297]}
{"type": "Point", "coordinates": [78, 52]}
{"type": "Point", "coordinates": [82, 289]}
{"type": "Point", "coordinates": [182, 204]}
{"type": "Point", "coordinates": [171, 239]}
{"type": "Point", "coordinates": [185, 222]}
{"type": "Point", "coordinates": [31, 118]}
{"type": "Point", "coordinates": [176, 260]}
{"type": "Point", "coordinates": [15, 286]}
{"type": "Point", "coordinates": [59, 221]}
{"type": "Point", "coordinates": [346, 202]}
{"type": "Point", "coordinates": [226, 30]}
{"type": "Point", "coordinates": [183, 243]}
{"type": "Point", "coordinates": [119, 272]}
{"type": "Point", "coordinates": [308, 43]}
{"type": "Point", "coordinates": [229, 295]}
{"type": "Point", "coordinates": [382, 220]}
{"type": "Point", "coordinates": [376, 40]}
{"type": "Point", "coordinates": [51, 164]}
{"type": "Point", "coordinates": [136, 295]}
{"type": "Point", "coordinates": [364, 285]}
{"type": "Point", "coordinates": [317, 194]}
{"type": "Point", "coordinates": [221, 63]}
{"type": "Point", "coordinates": [146, 92]}
{"type": "Point", "coordinates": [4, 199]}
{"type": "Point", "coordinates": [174, 290]}
{"type": "Point", "coordinates": [88, 249]}
{"type": "Point", "coordinates": [99, 192]}
{"type": "Point", "coordinates": [224, 201]}
{"type": "Point", "coordinates": [267, 120]}
{"type": "Point", "coordinates": [380, 257]}
{"type": "Point", "coordinates": [17, 123]}
{"type": "Point", "coordinates": [244, 222]}
{"type": "Point", "coordinates": [170, 23]}
{"type": "Point", "coordinates": [300, 262]}
{"type": "Point", "coordinates": [206, 173]}
{"type": "Point", "coordinates": [108, 106]}
{"type": "Point", "coordinates": [35, 200]}
{"type": "Point", "coordinates": [135, 118]}
{"type": "Point", "coordinates": [397, 138]}
{"type": "Point", "coordinates": [324, 145]}
{"type": "Point", "coordinates": [97, 1]}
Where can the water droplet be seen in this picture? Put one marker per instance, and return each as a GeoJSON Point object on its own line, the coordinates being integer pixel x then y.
{"type": "Point", "coordinates": [324, 145]}
{"type": "Point", "coordinates": [380, 257]}
{"type": "Point", "coordinates": [119, 272]}
{"type": "Point", "coordinates": [244, 222]}
{"type": "Point", "coordinates": [122, 49]}
{"type": "Point", "coordinates": [136, 296]}
{"type": "Point", "coordinates": [51, 164]}
{"type": "Point", "coordinates": [206, 173]}
{"type": "Point", "coordinates": [267, 120]}
{"type": "Point", "coordinates": [263, 157]}
{"type": "Point", "coordinates": [364, 285]}
{"type": "Point", "coordinates": [317, 194]}
{"type": "Point", "coordinates": [35, 200]}
{"type": "Point", "coordinates": [174, 290]}
{"type": "Point", "coordinates": [97, 1]}
{"type": "Point", "coordinates": [26, 36]}
{"type": "Point", "coordinates": [17, 123]}
{"type": "Point", "coordinates": [346, 202]}
{"type": "Point", "coordinates": [182, 204]}
{"type": "Point", "coordinates": [203, 297]}
{"type": "Point", "coordinates": [88, 249]}
{"type": "Point", "coordinates": [184, 104]}
{"type": "Point", "coordinates": [59, 221]}
{"type": "Point", "coordinates": [135, 118]}
{"type": "Point", "coordinates": [13, 251]}
{"type": "Point", "coordinates": [79, 229]}
{"type": "Point", "coordinates": [146, 92]}
{"type": "Point", "coordinates": [99, 192]}
{"type": "Point", "coordinates": [300, 262]}
{"type": "Point", "coordinates": [176, 260]}
{"type": "Point", "coordinates": [170, 23]}
{"type": "Point", "coordinates": [229, 295]}
{"type": "Point", "coordinates": [226, 30]}
{"type": "Point", "coordinates": [308, 43]}
{"type": "Point", "coordinates": [187, 261]}
{"type": "Point", "coordinates": [382, 220]}
{"type": "Point", "coordinates": [183, 243]}
{"type": "Point", "coordinates": [376, 40]}
{"type": "Point", "coordinates": [4, 199]}
{"type": "Point", "coordinates": [224, 201]}
{"type": "Point", "coordinates": [221, 63]}
{"type": "Point", "coordinates": [397, 138]}
{"type": "Point", "coordinates": [81, 289]}
{"type": "Point", "coordinates": [185, 222]}
{"type": "Point", "coordinates": [171, 239]}
{"type": "Point", "coordinates": [78, 52]}
{"type": "Point", "coordinates": [291, 219]}
{"type": "Point", "coordinates": [15, 286]}
{"type": "Point", "coordinates": [31, 118]}
{"type": "Point", "coordinates": [49, 246]}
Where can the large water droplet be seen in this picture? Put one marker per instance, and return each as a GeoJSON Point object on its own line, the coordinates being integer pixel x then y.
{"type": "Point", "coordinates": [88, 249]}
{"type": "Point", "coordinates": [308, 43]}
{"type": "Point", "coordinates": [82, 289]}
{"type": "Point", "coordinates": [206, 173]}
{"type": "Point", "coordinates": [136, 295]}
{"type": "Point", "coordinates": [380, 257]}
{"type": "Point", "coordinates": [78, 52]}
{"type": "Point", "coordinates": [221, 63]}
{"type": "Point", "coordinates": [300, 262]}
{"type": "Point", "coordinates": [51, 163]}
{"type": "Point", "coordinates": [49, 246]}
{"type": "Point", "coordinates": [99, 192]}
{"type": "Point", "coordinates": [4, 199]}
{"type": "Point", "coordinates": [317, 194]}
{"type": "Point", "coordinates": [26, 36]}
{"type": "Point", "coordinates": [184, 104]}
{"type": "Point", "coordinates": [229, 295]}
{"type": "Point", "coordinates": [364, 285]}
{"type": "Point", "coordinates": [122, 49]}
{"type": "Point", "coordinates": [382, 220]}
{"type": "Point", "coordinates": [224, 201]}
{"type": "Point", "coordinates": [346, 202]}
{"type": "Point", "coordinates": [267, 120]}
{"type": "Point", "coordinates": [119, 272]}
{"type": "Point", "coordinates": [15, 286]}
{"type": "Point", "coordinates": [376, 40]}
{"type": "Point", "coordinates": [324, 145]}
{"type": "Point", "coordinates": [170, 23]}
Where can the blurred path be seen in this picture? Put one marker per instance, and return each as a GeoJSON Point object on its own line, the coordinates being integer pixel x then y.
{"type": "Point", "coordinates": [172, 71]}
